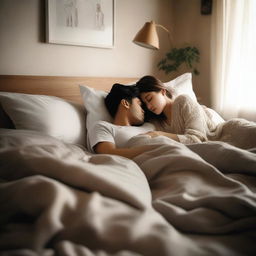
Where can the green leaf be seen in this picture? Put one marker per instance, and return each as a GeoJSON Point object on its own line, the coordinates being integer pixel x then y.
{"type": "Point", "coordinates": [179, 56]}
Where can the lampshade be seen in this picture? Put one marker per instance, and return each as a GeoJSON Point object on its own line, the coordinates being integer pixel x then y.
{"type": "Point", "coordinates": [147, 36]}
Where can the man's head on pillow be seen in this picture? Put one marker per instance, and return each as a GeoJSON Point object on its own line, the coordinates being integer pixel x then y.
{"type": "Point", "coordinates": [123, 100]}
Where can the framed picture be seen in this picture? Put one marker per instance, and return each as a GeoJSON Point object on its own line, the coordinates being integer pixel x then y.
{"type": "Point", "coordinates": [80, 22]}
{"type": "Point", "coordinates": [206, 7]}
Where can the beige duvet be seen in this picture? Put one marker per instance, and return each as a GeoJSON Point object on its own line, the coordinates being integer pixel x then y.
{"type": "Point", "coordinates": [58, 199]}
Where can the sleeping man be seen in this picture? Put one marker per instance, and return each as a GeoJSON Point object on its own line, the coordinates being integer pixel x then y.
{"type": "Point", "coordinates": [124, 106]}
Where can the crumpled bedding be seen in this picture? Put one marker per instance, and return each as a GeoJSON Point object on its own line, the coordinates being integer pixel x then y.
{"type": "Point", "coordinates": [58, 199]}
{"type": "Point", "coordinates": [238, 132]}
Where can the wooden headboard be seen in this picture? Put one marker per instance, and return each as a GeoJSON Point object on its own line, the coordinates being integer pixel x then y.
{"type": "Point", "coordinates": [60, 86]}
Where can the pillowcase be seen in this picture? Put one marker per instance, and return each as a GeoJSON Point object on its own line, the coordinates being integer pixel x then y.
{"type": "Point", "coordinates": [94, 104]}
{"type": "Point", "coordinates": [47, 114]}
{"type": "Point", "coordinates": [10, 138]}
{"type": "Point", "coordinates": [181, 85]}
{"type": "Point", "coordinates": [213, 115]}
{"type": "Point", "coordinates": [95, 107]}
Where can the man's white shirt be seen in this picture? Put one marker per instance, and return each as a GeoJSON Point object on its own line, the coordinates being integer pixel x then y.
{"type": "Point", "coordinates": [119, 135]}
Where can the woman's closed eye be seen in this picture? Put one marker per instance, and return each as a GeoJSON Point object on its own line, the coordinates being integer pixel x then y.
{"type": "Point", "coordinates": [148, 99]}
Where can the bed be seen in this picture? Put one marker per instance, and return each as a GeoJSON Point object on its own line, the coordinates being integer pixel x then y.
{"type": "Point", "coordinates": [59, 198]}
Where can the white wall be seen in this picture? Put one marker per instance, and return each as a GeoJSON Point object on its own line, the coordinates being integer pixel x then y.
{"type": "Point", "coordinates": [193, 29]}
{"type": "Point", "coordinates": [23, 50]}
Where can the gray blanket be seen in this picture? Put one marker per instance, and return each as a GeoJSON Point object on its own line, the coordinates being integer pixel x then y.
{"type": "Point", "coordinates": [58, 199]}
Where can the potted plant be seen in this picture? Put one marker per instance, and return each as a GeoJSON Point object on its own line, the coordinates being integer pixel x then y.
{"type": "Point", "coordinates": [176, 57]}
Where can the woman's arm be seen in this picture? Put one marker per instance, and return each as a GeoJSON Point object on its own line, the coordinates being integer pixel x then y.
{"type": "Point", "coordinates": [189, 114]}
{"type": "Point", "coordinates": [194, 123]}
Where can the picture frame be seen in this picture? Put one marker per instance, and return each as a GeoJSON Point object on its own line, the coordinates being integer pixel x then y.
{"type": "Point", "coordinates": [206, 7]}
{"type": "Point", "coordinates": [77, 22]}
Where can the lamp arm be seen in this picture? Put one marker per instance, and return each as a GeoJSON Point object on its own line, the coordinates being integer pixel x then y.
{"type": "Point", "coordinates": [164, 28]}
{"type": "Point", "coordinates": [169, 34]}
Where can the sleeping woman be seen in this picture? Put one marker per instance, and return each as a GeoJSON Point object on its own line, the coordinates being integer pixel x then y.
{"type": "Point", "coordinates": [186, 121]}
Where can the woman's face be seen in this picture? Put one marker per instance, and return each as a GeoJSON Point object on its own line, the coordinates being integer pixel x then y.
{"type": "Point", "coordinates": [155, 101]}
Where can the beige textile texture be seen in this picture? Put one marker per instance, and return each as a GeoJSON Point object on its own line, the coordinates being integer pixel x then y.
{"type": "Point", "coordinates": [57, 199]}
{"type": "Point", "coordinates": [194, 123]}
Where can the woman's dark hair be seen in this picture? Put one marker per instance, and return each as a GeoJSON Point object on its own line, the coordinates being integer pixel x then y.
{"type": "Point", "coordinates": [151, 84]}
{"type": "Point", "coordinates": [117, 93]}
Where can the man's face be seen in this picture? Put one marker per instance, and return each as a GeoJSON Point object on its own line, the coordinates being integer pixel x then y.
{"type": "Point", "coordinates": [136, 113]}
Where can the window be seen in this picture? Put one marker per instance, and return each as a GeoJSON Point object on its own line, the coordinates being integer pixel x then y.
{"type": "Point", "coordinates": [233, 58]}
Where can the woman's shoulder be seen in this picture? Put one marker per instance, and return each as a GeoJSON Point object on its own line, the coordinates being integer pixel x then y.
{"type": "Point", "coordinates": [184, 99]}
{"type": "Point", "coordinates": [184, 103]}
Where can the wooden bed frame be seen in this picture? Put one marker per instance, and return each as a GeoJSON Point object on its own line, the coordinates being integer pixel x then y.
{"type": "Point", "coordinates": [60, 86]}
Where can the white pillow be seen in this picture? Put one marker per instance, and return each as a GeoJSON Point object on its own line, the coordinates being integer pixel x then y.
{"type": "Point", "coordinates": [95, 107]}
{"type": "Point", "coordinates": [10, 138]}
{"type": "Point", "coordinates": [181, 85]}
{"type": "Point", "coordinates": [94, 104]}
{"type": "Point", "coordinates": [214, 116]}
{"type": "Point", "coordinates": [47, 114]}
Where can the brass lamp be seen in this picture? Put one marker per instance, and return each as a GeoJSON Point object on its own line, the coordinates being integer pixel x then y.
{"type": "Point", "coordinates": [147, 36]}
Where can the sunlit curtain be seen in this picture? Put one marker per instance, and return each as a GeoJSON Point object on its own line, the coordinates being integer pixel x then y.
{"type": "Point", "coordinates": [234, 58]}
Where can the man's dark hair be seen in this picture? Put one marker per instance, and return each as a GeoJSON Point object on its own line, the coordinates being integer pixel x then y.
{"type": "Point", "coordinates": [117, 93]}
